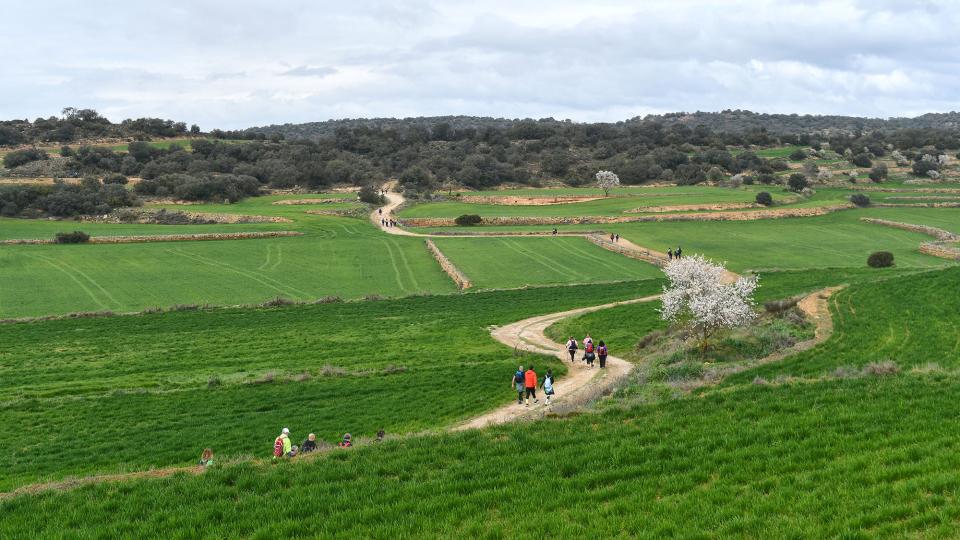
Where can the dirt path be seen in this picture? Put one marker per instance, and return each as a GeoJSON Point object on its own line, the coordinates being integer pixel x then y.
{"type": "Point", "coordinates": [579, 385]}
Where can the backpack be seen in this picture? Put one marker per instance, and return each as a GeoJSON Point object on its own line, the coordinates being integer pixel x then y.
{"type": "Point", "coordinates": [278, 447]}
{"type": "Point", "coordinates": [517, 377]}
{"type": "Point", "coordinates": [602, 351]}
{"type": "Point", "coordinates": [589, 347]}
{"type": "Point", "coordinates": [572, 345]}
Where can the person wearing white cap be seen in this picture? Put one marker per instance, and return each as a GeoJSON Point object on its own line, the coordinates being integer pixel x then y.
{"type": "Point", "coordinates": [282, 444]}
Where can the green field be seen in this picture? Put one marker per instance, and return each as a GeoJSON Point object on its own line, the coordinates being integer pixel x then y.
{"type": "Point", "coordinates": [127, 393]}
{"type": "Point", "coordinates": [515, 262]}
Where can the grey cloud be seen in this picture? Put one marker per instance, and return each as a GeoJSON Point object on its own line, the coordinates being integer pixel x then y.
{"type": "Point", "coordinates": [310, 71]}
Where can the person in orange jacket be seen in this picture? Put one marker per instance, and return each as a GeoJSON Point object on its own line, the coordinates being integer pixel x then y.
{"type": "Point", "coordinates": [530, 382]}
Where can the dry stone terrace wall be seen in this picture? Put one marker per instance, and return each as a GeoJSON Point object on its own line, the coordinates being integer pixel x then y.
{"type": "Point", "coordinates": [167, 238]}
{"type": "Point", "coordinates": [525, 201]}
{"type": "Point", "coordinates": [945, 247]}
{"type": "Point", "coordinates": [447, 265]}
{"type": "Point", "coordinates": [691, 208]}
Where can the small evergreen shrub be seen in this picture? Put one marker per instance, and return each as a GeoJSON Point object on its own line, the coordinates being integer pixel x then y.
{"type": "Point", "coordinates": [764, 198]}
{"type": "Point", "coordinates": [860, 199]}
{"type": "Point", "coordinates": [468, 220]}
{"type": "Point", "coordinates": [75, 237]}
{"type": "Point", "coordinates": [880, 259]}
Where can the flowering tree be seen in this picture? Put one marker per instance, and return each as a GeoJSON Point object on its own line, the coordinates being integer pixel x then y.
{"type": "Point", "coordinates": [698, 298]}
{"type": "Point", "coordinates": [607, 180]}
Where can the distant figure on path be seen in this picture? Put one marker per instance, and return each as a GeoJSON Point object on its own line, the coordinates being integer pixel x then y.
{"type": "Point", "coordinates": [554, 231]}
{"type": "Point", "coordinates": [281, 445]}
{"type": "Point", "coordinates": [547, 385]}
{"type": "Point", "coordinates": [611, 237]}
{"type": "Point", "coordinates": [616, 238]}
{"type": "Point", "coordinates": [380, 435]}
{"type": "Point", "coordinates": [309, 445]}
{"type": "Point", "coordinates": [602, 354]}
{"type": "Point", "coordinates": [588, 352]}
{"type": "Point", "coordinates": [347, 441]}
{"type": "Point", "coordinates": [206, 457]}
{"type": "Point", "coordinates": [516, 382]}
{"type": "Point", "coordinates": [678, 252]}
{"type": "Point", "coordinates": [530, 382]}
{"type": "Point", "coordinates": [670, 254]}
{"type": "Point", "coordinates": [572, 349]}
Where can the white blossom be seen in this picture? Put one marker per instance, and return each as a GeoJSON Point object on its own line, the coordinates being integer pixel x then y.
{"type": "Point", "coordinates": [698, 297]}
{"type": "Point", "coordinates": [943, 159]}
{"type": "Point", "coordinates": [934, 174]}
{"type": "Point", "coordinates": [824, 175]}
{"type": "Point", "coordinates": [899, 158]}
{"type": "Point", "coordinates": [607, 180]}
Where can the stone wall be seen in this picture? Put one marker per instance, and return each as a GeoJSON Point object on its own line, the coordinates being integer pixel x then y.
{"type": "Point", "coordinates": [166, 238]}
{"type": "Point", "coordinates": [447, 265]}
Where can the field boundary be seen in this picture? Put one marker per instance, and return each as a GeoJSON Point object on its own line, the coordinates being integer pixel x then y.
{"type": "Point", "coordinates": [458, 277]}
{"type": "Point", "coordinates": [135, 239]}
{"type": "Point", "coordinates": [947, 245]}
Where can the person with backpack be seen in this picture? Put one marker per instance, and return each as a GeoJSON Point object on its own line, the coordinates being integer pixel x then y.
{"type": "Point", "coordinates": [547, 385]}
{"type": "Point", "coordinates": [206, 457]}
{"type": "Point", "coordinates": [530, 385]}
{"type": "Point", "coordinates": [516, 382]}
{"type": "Point", "coordinates": [282, 444]}
{"type": "Point", "coordinates": [678, 252]}
{"type": "Point", "coordinates": [347, 441]}
{"type": "Point", "coordinates": [588, 352]}
{"type": "Point", "coordinates": [669, 254]}
{"type": "Point", "coordinates": [602, 354]}
{"type": "Point", "coordinates": [572, 349]}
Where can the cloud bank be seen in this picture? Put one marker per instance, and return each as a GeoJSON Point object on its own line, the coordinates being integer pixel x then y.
{"type": "Point", "coordinates": [238, 63]}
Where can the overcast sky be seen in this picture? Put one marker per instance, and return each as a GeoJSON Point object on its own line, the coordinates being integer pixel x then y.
{"type": "Point", "coordinates": [239, 63]}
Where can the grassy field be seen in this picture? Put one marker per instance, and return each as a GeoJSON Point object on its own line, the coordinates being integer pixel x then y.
{"type": "Point", "coordinates": [515, 262]}
{"type": "Point", "coordinates": [832, 459]}
{"type": "Point", "coordinates": [127, 393]}
{"type": "Point", "coordinates": [834, 240]}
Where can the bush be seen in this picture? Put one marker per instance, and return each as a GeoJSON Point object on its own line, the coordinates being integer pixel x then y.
{"type": "Point", "coordinates": [861, 160]}
{"type": "Point", "coordinates": [115, 178]}
{"type": "Point", "coordinates": [880, 259]}
{"type": "Point", "coordinates": [468, 220]}
{"type": "Point", "coordinates": [22, 157]}
{"type": "Point", "coordinates": [764, 198]}
{"type": "Point", "coordinates": [860, 199]}
{"type": "Point", "coordinates": [75, 237]}
{"type": "Point", "coordinates": [798, 155]}
{"type": "Point", "coordinates": [370, 195]}
{"type": "Point", "coordinates": [797, 182]}
{"type": "Point", "coordinates": [878, 173]}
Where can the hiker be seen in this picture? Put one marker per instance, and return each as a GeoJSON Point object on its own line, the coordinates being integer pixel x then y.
{"type": "Point", "coordinates": [530, 382]}
{"type": "Point", "coordinates": [281, 445]}
{"type": "Point", "coordinates": [547, 385]}
{"type": "Point", "coordinates": [611, 237]}
{"type": "Point", "coordinates": [516, 382]}
{"type": "Point", "coordinates": [588, 352]}
{"type": "Point", "coordinates": [554, 231]}
{"type": "Point", "coordinates": [347, 441]}
{"type": "Point", "coordinates": [206, 457]}
{"type": "Point", "coordinates": [572, 349]}
{"type": "Point", "coordinates": [602, 354]}
{"type": "Point", "coordinates": [678, 252]}
{"type": "Point", "coordinates": [309, 445]}
{"type": "Point", "coordinates": [670, 254]}
{"type": "Point", "coordinates": [380, 211]}
{"type": "Point", "coordinates": [380, 435]}
{"type": "Point", "coordinates": [616, 238]}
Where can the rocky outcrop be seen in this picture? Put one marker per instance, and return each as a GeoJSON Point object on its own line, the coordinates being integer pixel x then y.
{"type": "Point", "coordinates": [447, 265]}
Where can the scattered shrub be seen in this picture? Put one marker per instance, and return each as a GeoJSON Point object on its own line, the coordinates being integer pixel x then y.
{"type": "Point", "coordinates": [860, 199]}
{"type": "Point", "coordinates": [278, 301]}
{"type": "Point", "coordinates": [370, 195]}
{"type": "Point", "coordinates": [115, 178]}
{"type": "Point", "coordinates": [468, 220]}
{"type": "Point", "coordinates": [329, 300]}
{"type": "Point", "coordinates": [798, 155]}
{"type": "Point", "coordinates": [797, 182]}
{"type": "Point", "coordinates": [881, 369]}
{"type": "Point", "coordinates": [214, 382]}
{"type": "Point", "coordinates": [22, 157]}
{"type": "Point", "coordinates": [75, 237]}
{"type": "Point", "coordinates": [861, 160]}
{"type": "Point", "coordinates": [880, 259]}
{"type": "Point", "coordinates": [878, 173]}
{"type": "Point", "coordinates": [764, 198]}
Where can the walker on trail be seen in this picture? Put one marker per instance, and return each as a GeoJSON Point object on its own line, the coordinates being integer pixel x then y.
{"type": "Point", "coordinates": [547, 385]}
{"type": "Point", "coordinates": [588, 353]}
{"type": "Point", "coordinates": [572, 349]}
{"type": "Point", "coordinates": [530, 383]}
{"type": "Point", "coordinates": [516, 382]}
{"type": "Point", "coordinates": [602, 354]}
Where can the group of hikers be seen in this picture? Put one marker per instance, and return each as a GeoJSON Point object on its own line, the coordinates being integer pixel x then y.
{"type": "Point", "coordinates": [283, 447]}
{"type": "Point", "coordinates": [525, 383]}
{"type": "Point", "coordinates": [671, 254]}
{"type": "Point", "coordinates": [614, 237]}
{"type": "Point", "coordinates": [591, 352]}
{"type": "Point", "coordinates": [386, 222]}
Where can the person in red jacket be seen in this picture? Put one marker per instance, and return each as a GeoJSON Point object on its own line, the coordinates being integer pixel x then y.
{"type": "Point", "coordinates": [530, 382]}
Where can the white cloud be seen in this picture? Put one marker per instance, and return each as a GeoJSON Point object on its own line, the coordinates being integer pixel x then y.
{"type": "Point", "coordinates": [238, 63]}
